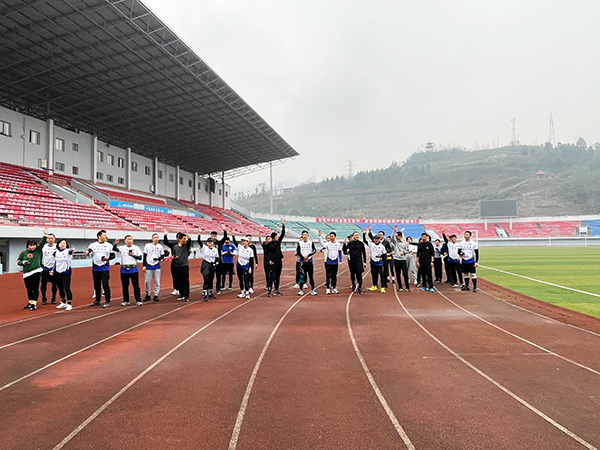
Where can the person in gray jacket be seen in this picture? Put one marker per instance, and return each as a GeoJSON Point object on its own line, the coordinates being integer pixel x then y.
{"type": "Point", "coordinates": [401, 252]}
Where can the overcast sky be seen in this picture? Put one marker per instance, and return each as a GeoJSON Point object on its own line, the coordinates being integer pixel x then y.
{"type": "Point", "coordinates": [371, 82]}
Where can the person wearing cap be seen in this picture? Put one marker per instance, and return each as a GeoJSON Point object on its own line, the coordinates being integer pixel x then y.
{"type": "Point", "coordinates": [274, 256]}
{"type": "Point", "coordinates": [244, 267]}
{"type": "Point", "coordinates": [378, 252]}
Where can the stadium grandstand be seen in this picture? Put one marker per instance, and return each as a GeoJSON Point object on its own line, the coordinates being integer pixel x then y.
{"type": "Point", "coordinates": [109, 120]}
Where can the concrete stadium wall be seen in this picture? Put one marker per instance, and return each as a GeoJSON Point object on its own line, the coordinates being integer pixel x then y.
{"type": "Point", "coordinates": [17, 149]}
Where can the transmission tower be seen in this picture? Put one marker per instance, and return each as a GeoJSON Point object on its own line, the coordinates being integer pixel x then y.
{"type": "Point", "coordinates": [552, 136]}
{"type": "Point", "coordinates": [515, 139]}
{"type": "Point", "coordinates": [350, 170]}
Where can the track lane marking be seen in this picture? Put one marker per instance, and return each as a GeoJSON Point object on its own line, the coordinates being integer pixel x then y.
{"type": "Point", "coordinates": [589, 369]}
{"type": "Point", "coordinates": [235, 435]}
{"type": "Point", "coordinates": [498, 385]}
{"type": "Point", "coordinates": [538, 314]}
{"type": "Point", "coordinates": [96, 413]}
{"type": "Point", "coordinates": [388, 410]}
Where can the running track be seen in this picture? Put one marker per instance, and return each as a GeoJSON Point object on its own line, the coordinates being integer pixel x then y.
{"type": "Point", "coordinates": [444, 370]}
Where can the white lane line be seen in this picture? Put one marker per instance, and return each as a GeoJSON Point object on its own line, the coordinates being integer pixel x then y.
{"type": "Point", "coordinates": [61, 328]}
{"type": "Point", "coordinates": [85, 423]}
{"type": "Point", "coordinates": [589, 369]}
{"type": "Point", "coordinates": [498, 385]}
{"type": "Point", "coordinates": [374, 385]}
{"type": "Point", "coordinates": [235, 435]}
{"type": "Point", "coordinates": [538, 314]}
{"type": "Point", "coordinates": [541, 281]}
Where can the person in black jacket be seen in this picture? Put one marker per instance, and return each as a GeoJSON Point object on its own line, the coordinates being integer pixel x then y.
{"type": "Point", "coordinates": [219, 244]}
{"type": "Point", "coordinates": [357, 260]}
{"type": "Point", "coordinates": [425, 257]}
{"type": "Point", "coordinates": [180, 263]}
{"type": "Point", "coordinates": [274, 257]}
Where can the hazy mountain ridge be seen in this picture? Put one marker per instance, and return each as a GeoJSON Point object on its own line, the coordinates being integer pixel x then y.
{"type": "Point", "coordinates": [450, 183]}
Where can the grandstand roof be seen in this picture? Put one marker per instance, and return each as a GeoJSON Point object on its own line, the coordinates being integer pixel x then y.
{"type": "Point", "coordinates": [113, 68]}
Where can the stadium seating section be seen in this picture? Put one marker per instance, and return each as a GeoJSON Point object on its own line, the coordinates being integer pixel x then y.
{"type": "Point", "coordinates": [26, 201]}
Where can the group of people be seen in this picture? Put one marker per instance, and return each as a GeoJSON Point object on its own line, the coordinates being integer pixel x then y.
{"type": "Point", "coordinates": [392, 259]}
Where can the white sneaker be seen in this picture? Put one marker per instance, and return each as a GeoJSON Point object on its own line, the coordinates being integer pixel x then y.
{"type": "Point", "coordinates": [68, 307]}
{"type": "Point", "coordinates": [251, 291]}
{"type": "Point", "coordinates": [94, 295]}
{"type": "Point", "coordinates": [327, 291]}
{"type": "Point", "coordinates": [305, 286]}
{"type": "Point", "coordinates": [335, 291]}
{"type": "Point", "coordinates": [125, 304]}
{"type": "Point", "coordinates": [248, 296]}
{"type": "Point", "coordinates": [300, 292]}
{"type": "Point", "coordinates": [242, 294]}
{"type": "Point", "coordinates": [313, 292]}
{"type": "Point", "coordinates": [296, 286]}
{"type": "Point", "coordinates": [175, 292]}
{"type": "Point", "coordinates": [61, 305]}
{"type": "Point", "coordinates": [139, 303]}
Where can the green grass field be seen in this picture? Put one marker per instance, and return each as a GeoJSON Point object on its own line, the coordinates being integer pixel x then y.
{"type": "Point", "coordinates": [574, 267]}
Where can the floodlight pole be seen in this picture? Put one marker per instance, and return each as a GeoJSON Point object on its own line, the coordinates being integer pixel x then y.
{"type": "Point", "coordinates": [223, 188]}
{"type": "Point", "coordinates": [271, 190]}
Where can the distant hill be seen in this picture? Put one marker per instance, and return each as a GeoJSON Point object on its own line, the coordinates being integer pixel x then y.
{"type": "Point", "coordinates": [450, 183]}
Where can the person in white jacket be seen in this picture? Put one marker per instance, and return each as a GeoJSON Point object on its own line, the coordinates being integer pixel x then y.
{"type": "Point", "coordinates": [131, 255]}
{"type": "Point", "coordinates": [333, 256]}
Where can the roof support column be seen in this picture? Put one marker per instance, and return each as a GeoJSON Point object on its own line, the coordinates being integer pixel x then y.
{"type": "Point", "coordinates": [155, 177]}
{"type": "Point", "coordinates": [271, 189]}
{"type": "Point", "coordinates": [223, 188]}
{"type": "Point", "coordinates": [94, 164]}
{"type": "Point", "coordinates": [196, 193]}
{"type": "Point", "coordinates": [128, 168]}
{"type": "Point", "coordinates": [50, 148]}
{"type": "Point", "coordinates": [177, 188]}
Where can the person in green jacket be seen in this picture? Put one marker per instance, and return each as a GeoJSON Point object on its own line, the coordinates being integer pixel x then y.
{"type": "Point", "coordinates": [31, 260]}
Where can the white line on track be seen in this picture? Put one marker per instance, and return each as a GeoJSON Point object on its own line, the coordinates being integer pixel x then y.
{"type": "Point", "coordinates": [538, 314]}
{"type": "Point", "coordinates": [77, 430]}
{"type": "Point", "coordinates": [61, 328]}
{"type": "Point", "coordinates": [498, 385]}
{"type": "Point", "coordinates": [374, 385]}
{"type": "Point", "coordinates": [541, 281]}
{"type": "Point", "coordinates": [235, 435]}
{"type": "Point", "coordinates": [589, 369]}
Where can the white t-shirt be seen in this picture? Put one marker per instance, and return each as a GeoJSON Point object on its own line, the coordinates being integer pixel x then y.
{"type": "Point", "coordinates": [153, 254]}
{"type": "Point", "coordinates": [468, 249]}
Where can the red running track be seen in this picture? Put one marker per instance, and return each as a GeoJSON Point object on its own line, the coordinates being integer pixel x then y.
{"type": "Point", "coordinates": [444, 370]}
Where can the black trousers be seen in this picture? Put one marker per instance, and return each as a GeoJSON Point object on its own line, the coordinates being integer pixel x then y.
{"type": "Point", "coordinates": [208, 272]}
{"type": "Point", "coordinates": [63, 283]}
{"type": "Point", "coordinates": [267, 272]}
{"type": "Point", "coordinates": [447, 270]}
{"type": "Point", "coordinates": [101, 278]}
{"type": "Point", "coordinates": [455, 272]}
{"type": "Point", "coordinates": [32, 284]}
{"type": "Point", "coordinates": [243, 278]}
{"type": "Point", "coordinates": [331, 271]}
{"type": "Point", "coordinates": [47, 278]}
{"type": "Point", "coordinates": [251, 274]}
{"type": "Point", "coordinates": [356, 271]}
{"type": "Point", "coordinates": [226, 269]}
{"type": "Point", "coordinates": [378, 272]}
{"type": "Point", "coordinates": [401, 266]}
{"type": "Point", "coordinates": [182, 279]}
{"type": "Point", "coordinates": [389, 263]}
{"type": "Point", "coordinates": [425, 274]}
{"type": "Point", "coordinates": [174, 277]}
{"type": "Point", "coordinates": [134, 278]}
{"type": "Point", "coordinates": [437, 268]}
{"type": "Point", "coordinates": [275, 274]}
{"type": "Point", "coordinates": [309, 271]}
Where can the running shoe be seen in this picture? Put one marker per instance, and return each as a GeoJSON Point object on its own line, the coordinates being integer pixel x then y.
{"type": "Point", "coordinates": [383, 290]}
{"type": "Point", "coordinates": [423, 288]}
{"type": "Point", "coordinates": [455, 285]}
{"type": "Point", "coordinates": [125, 304]}
{"type": "Point", "coordinates": [277, 292]}
{"type": "Point", "coordinates": [68, 307]}
{"type": "Point", "coordinates": [327, 291]}
{"type": "Point", "coordinates": [186, 299]}
{"type": "Point", "coordinates": [359, 291]}
{"type": "Point", "coordinates": [218, 292]}
{"type": "Point", "coordinates": [61, 306]}
{"type": "Point", "coordinates": [230, 288]}
{"type": "Point", "coordinates": [353, 288]}
{"type": "Point", "coordinates": [147, 298]}
{"type": "Point", "coordinates": [175, 292]}
{"type": "Point", "coordinates": [373, 288]}
{"type": "Point", "coordinates": [248, 296]}
{"type": "Point", "coordinates": [296, 286]}
{"type": "Point", "coordinates": [432, 290]}
{"type": "Point", "coordinates": [139, 303]}
{"type": "Point", "coordinates": [242, 294]}
{"type": "Point", "coordinates": [313, 292]}
{"type": "Point", "coordinates": [465, 288]}
{"type": "Point", "coordinates": [474, 289]}
{"type": "Point", "coordinates": [407, 289]}
{"type": "Point", "coordinates": [26, 306]}
{"type": "Point", "coordinates": [180, 298]}
{"type": "Point", "coordinates": [335, 291]}
{"type": "Point", "coordinates": [44, 302]}
{"type": "Point", "coordinates": [156, 298]}
{"type": "Point", "coordinates": [106, 305]}
{"type": "Point", "coordinates": [300, 292]}
{"type": "Point", "coordinates": [96, 303]}
{"type": "Point", "coordinates": [305, 286]}
{"type": "Point", "coordinates": [31, 307]}
{"type": "Point", "coordinates": [251, 291]}
{"type": "Point", "coordinates": [269, 294]}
